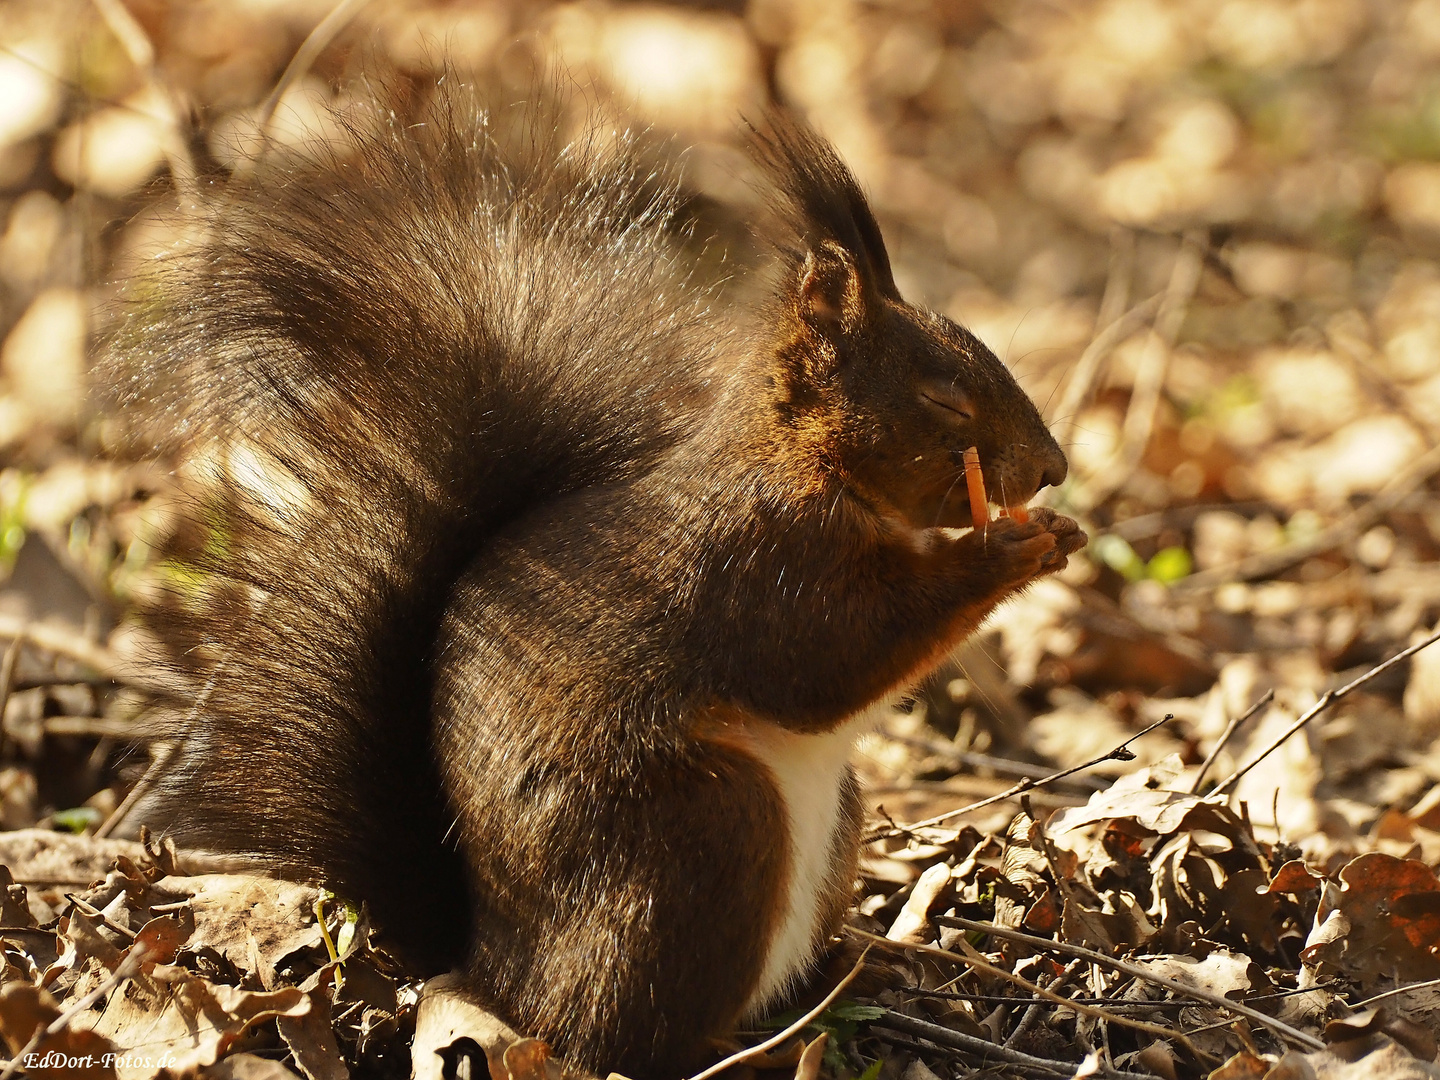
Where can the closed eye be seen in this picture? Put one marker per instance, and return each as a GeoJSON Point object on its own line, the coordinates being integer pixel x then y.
{"type": "Point", "coordinates": [951, 401]}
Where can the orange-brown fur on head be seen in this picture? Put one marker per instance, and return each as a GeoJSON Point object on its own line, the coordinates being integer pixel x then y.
{"type": "Point", "coordinates": [889, 395]}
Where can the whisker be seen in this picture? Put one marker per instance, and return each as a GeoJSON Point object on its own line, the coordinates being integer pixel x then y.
{"type": "Point", "coordinates": [1013, 332]}
{"type": "Point", "coordinates": [977, 689]}
{"type": "Point", "coordinates": [946, 498]}
{"type": "Point", "coordinates": [1053, 391]}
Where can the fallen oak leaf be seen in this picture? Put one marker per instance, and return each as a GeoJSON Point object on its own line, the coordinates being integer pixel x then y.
{"type": "Point", "coordinates": [813, 1056]}
{"type": "Point", "coordinates": [14, 903]}
{"type": "Point", "coordinates": [1375, 1057]}
{"type": "Point", "coordinates": [179, 1028]}
{"type": "Point", "coordinates": [1118, 921]}
{"type": "Point", "coordinates": [1408, 1034]}
{"type": "Point", "coordinates": [65, 1035]}
{"type": "Point", "coordinates": [1302, 1038]}
{"type": "Point", "coordinates": [1243, 1066]}
{"type": "Point", "coordinates": [784, 1056]}
{"type": "Point", "coordinates": [26, 1012]}
{"type": "Point", "coordinates": [1117, 753]}
{"type": "Point", "coordinates": [913, 922]}
{"type": "Point", "coordinates": [248, 1067]}
{"type": "Point", "coordinates": [311, 1040]}
{"type": "Point", "coordinates": [1159, 1058]}
{"type": "Point", "coordinates": [46, 857]}
{"type": "Point", "coordinates": [1162, 812]}
{"type": "Point", "coordinates": [1294, 878]}
{"type": "Point", "coordinates": [162, 937]}
{"type": "Point", "coordinates": [232, 910]}
{"type": "Point", "coordinates": [1384, 919]}
{"type": "Point", "coordinates": [40, 947]}
{"type": "Point", "coordinates": [528, 1059]}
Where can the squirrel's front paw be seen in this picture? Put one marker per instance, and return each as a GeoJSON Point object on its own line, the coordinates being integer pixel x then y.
{"type": "Point", "coordinates": [1011, 552]}
{"type": "Point", "coordinates": [1069, 538]}
{"type": "Point", "coordinates": [1022, 552]}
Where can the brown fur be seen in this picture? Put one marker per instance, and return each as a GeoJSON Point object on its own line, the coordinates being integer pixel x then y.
{"type": "Point", "coordinates": [557, 516]}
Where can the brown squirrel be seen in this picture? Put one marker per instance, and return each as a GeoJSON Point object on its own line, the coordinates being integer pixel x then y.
{"type": "Point", "coordinates": [541, 595]}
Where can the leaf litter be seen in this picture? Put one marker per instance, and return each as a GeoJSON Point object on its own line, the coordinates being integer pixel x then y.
{"type": "Point", "coordinates": [178, 972]}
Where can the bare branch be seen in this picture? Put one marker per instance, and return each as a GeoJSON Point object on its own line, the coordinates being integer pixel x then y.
{"type": "Point", "coordinates": [779, 1037]}
{"type": "Point", "coordinates": [1135, 971]}
{"type": "Point", "coordinates": [1326, 700]}
{"type": "Point", "coordinates": [1118, 753]}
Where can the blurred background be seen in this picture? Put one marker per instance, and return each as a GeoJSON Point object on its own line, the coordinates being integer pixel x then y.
{"type": "Point", "coordinates": [1205, 234]}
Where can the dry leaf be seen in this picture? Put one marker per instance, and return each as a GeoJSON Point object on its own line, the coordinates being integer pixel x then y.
{"type": "Point", "coordinates": [1384, 920]}
{"type": "Point", "coordinates": [71, 1053]}
{"type": "Point", "coordinates": [179, 1028]}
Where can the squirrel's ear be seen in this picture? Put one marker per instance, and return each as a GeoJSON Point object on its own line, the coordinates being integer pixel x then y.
{"type": "Point", "coordinates": [821, 203]}
{"type": "Point", "coordinates": [832, 294]}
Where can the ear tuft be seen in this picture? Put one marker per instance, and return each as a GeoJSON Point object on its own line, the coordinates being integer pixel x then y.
{"type": "Point", "coordinates": [821, 202]}
{"type": "Point", "coordinates": [831, 292]}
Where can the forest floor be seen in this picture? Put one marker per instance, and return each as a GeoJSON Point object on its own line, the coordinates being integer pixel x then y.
{"type": "Point", "coordinates": [1173, 813]}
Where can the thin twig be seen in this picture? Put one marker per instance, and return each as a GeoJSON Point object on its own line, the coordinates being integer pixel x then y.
{"type": "Point", "coordinates": [1346, 335]}
{"type": "Point", "coordinates": [982, 1048]}
{"type": "Point", "coordinates": [1118, 753]}
{"type": "Point", "coordinates": [775, 1040]}
{"type": "Point", "coordinates": [60, 641]}
{"type": "Point", "coordinates": [1180, 518]}
{"type": "Point", "coordinates": [164, 755]}
{"type": "Point", "coordinates": [99, 727]}
{"type": "Point", "coordinates": [1225, 735]}
{"type": "Point", "coordinates": [1269, 563]}
{"type": "Point", "coordinates": [91, 911]}
{"type": "Point", "coordinates": [978, 963]}
{"type": "Point", "coordinates": [1428, 984]}
{"type": "Point", "coordinates": [126, 968]}
{"type": "Point", "coordinates": [1326, 700]}
{"type": "Point", "coordinates": [1118, 277]}
{"type": "Point", "coordinates": [940, 748]}
{"type": "Point", "coordinates": [47, 637]}
{"type": "Point", "coordinates": [1135, 970]}
{"type": "Point", "coordinates": [1016, 1002]}
{"type": "Point", "coordinates": [7, 685]}
{"type": "Point", "coordinates": [928, 1048]}
{"type": "Point", "coordinates": [137, 46]}
{"type": "Point", "coordinates": [1101, 345]}
{"type": "Point", "coordinates": [1150, 376]}
{"type": "Point", "coordinates": [326, 31]}
{"type": "Point", "coordinates": [1034, 1009]}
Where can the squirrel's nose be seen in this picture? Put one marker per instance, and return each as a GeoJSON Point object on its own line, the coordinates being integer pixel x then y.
{"type": "Point", "coordinates": [1055, 470]}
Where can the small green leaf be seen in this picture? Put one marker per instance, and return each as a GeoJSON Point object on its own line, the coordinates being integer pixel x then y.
{"type": "Point", "coordinates": [347, 929]}
{"type": "Point", "coordinates": [77, 819]}
{"type": "Point", "coordinates": [1169, 565]}
{"type": "Point", "coordinates": [853, 1010]}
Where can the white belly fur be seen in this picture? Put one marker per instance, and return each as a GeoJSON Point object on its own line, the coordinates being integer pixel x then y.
{"type": "Point", "coordinates": [809, 771]}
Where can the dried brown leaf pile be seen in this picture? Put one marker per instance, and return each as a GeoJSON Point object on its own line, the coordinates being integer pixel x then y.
{"type": "Point", "coordinates": [1149, 924]}
{"type": "Point", "coordinates": [150, 972]}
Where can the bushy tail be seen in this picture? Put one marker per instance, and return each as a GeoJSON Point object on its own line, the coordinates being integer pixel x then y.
{"type": "Point", "coordinates": [376, 362]}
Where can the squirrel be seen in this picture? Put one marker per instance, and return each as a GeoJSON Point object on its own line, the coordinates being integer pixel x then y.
{"type": "Point", "coordinates": [536, 595]}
